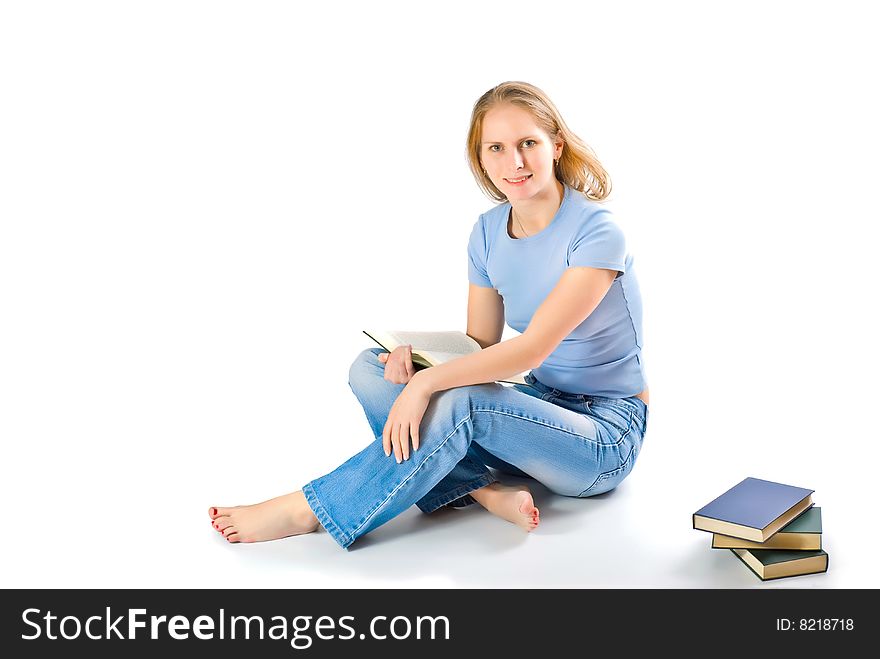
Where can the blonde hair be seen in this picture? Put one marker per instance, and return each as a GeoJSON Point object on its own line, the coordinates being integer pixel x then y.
{"type": "Point", "coordinates": [578, 165]}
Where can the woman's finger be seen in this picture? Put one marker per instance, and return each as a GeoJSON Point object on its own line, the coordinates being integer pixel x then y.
{"type": "Point", "coordinates": [395, 442]}
{"type": "Point", "coordinates": [386, 440]}
{"type": "Point", "coordinates": [404, 441]}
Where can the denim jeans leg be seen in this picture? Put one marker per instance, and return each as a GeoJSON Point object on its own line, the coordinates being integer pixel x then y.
{"type": "Point", "coordinates": [557, 442]}
{"type": "Point", "coordinates": [468, 475]}
{"type": "Point", "coordinates": [376, 396]}
{"type": "Point", "coordinates": [448, 491]}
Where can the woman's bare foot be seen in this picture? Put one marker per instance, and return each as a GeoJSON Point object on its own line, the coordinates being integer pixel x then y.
{"type": "Point", "coordinates": [276, 518]}
{"type": "Point", "coordinates": [513, 503]}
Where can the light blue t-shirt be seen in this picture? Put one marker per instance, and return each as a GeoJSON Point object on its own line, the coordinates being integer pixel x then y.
{"type": "Point", "coordinates": [602, 355]}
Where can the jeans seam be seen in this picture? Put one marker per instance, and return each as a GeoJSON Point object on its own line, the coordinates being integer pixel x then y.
{"type": "Point", "coordinates": [606, 474]}
{"type": "Point", "coordinates": [543, 423]}
{"type": "Point", "coordinates": [408, 478]}
{"type": "Point", "coordinates": [623, 435]}
{"type": "Point", "coordinates": [628, 428]}
{"type": "Point", "coordinates": [324, 517]}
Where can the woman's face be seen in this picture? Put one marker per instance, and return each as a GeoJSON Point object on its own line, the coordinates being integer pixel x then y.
{"type": "Point", "coordinates": [512, 147]}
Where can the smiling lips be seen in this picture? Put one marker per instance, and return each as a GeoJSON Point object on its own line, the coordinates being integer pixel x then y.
{"type": "Point", "coordinates": [518, 181]}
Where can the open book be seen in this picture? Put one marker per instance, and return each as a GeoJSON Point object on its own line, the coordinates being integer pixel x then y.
{"type": "Point", "coordinates": [433, 348]}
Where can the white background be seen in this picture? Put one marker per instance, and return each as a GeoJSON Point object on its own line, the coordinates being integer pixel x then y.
{"type": "Point", "coordinates": [203, 205]}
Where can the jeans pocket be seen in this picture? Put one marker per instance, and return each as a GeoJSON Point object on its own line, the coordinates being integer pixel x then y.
{"type": "Point", "coordinates": [610, 479]}
{"type": "Point", "coordinates": [618, 418]}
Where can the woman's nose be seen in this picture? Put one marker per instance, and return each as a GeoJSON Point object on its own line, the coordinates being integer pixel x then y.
{"type": "Point", "coordinates": [517, 160]}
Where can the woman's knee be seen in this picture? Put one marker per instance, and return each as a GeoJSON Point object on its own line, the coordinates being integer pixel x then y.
{"type": "Point", "coordinates": [366, 366]}
{"type": "Point", "coordinates": [459, 402]}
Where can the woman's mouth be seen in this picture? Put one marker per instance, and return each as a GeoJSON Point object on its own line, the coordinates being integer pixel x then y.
{"type": "Point", "coordinates": [519, 181]}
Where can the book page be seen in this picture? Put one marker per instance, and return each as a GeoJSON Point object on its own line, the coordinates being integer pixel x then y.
{"type": "Point", "coordinates": [452, 342]}
{"type": "Point", "coordinates": [519, 378]}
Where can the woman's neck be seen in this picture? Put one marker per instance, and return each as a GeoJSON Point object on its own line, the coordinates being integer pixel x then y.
{"type": "Point", "coordinates": [535, 214]}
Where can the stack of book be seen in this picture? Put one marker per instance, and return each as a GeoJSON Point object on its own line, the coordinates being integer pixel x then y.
{"type": "Point", "coordinates": [774, 529]}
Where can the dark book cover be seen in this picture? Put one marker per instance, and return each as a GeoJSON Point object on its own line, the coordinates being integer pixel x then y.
{"type": "Point", "coordinates": [808, 523]}
{"type": "Point", "coordinates": [776, 558]}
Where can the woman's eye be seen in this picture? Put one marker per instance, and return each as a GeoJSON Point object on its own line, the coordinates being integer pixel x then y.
{"type": "Point", "coordinates": [492, 147]}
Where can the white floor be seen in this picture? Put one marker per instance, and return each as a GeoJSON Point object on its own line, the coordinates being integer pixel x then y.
{"type": "Point", "coordinates": [130, 530]}
{"type": "Point", "coordinates": [612, 540]}
{"type": "Point", "coordinates": [113, 491]}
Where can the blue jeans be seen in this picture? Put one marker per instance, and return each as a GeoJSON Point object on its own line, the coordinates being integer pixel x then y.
{"type": "Point", "coordinates": [576, 445]}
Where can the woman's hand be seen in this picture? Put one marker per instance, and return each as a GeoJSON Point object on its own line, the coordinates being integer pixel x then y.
{"type": "Point", "coordinates": [404, 420]}
{"type": "Point", "coordinates": [399, 367]}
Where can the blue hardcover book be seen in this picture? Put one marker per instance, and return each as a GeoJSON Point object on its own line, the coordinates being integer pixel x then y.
{"type": "Point", "coordinates": [754, 509]}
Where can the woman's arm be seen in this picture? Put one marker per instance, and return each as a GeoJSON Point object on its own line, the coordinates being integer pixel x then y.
{"type": "Point", "coordinates": [496, 362]}
{"type": "Point", "coordinates": [485, 315]}
{"type": "Point", "coordinates": [579, 291]}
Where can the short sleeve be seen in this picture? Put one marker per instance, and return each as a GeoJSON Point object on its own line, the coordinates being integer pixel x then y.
{"type": "Point", "coordinates": [598, 243]}
{"type": "Point", "coordinates": [478, 255]}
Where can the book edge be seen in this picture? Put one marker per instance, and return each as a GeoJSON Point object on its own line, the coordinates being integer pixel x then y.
{"type": "Point", "coordinates": [823, 554]}
{"type": "Point", "coordinates": [715, 525]}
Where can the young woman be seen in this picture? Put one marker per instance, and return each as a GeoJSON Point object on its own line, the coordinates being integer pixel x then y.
{"type": "Point", "coordinates": [549, 260]}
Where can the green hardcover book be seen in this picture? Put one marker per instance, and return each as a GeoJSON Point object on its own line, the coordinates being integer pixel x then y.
{"type": "Point", "coordinates": [779, 563]}
{"type": "Point", "coordinates": [803, 532]}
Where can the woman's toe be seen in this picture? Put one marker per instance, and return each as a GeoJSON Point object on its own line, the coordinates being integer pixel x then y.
{"type": "Point", "coordinates": [214, 512]}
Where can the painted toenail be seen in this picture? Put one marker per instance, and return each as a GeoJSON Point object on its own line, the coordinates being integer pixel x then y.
{"type": "Point", "coordinates": [213, 511]}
